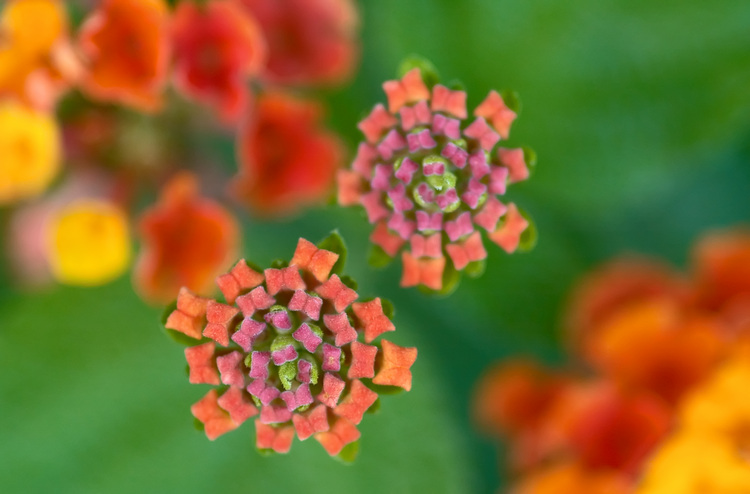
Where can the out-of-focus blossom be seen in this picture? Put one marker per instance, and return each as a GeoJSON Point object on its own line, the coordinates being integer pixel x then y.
{"type": "Point", "coordinates": [310, 42]}
{"type": "Point", "coordinates": [287, 159]}
{"type": "Point", "coordinates": [430, 179]}
{"type": "Point", "coordinates": [292, 345]}
{"type": "Point", "coordinates": [610, 429]}
{"type": "Point", "coordinates": [615, 286]}
{"type": "Point", "coordinates": [721, 264]}
{"type": "Point", "coordinates": [573, 478]}
{"type": "Point", "coordinates": [89, 243]}
{"type": "Point", "coordinates": [709, 452]}
{"type": "Point", "coordinates": [187, 241]}
{"type": "Point", "coordinates": [657, 347]}
{"type": "Point", "coordinates": [126, 49]}
{"type": "Point", "coordinates": [217, 46]}
{"type": "Point", "coordinates": [35, 55]}
{"type": "Point", "coordinates": [29, 152]}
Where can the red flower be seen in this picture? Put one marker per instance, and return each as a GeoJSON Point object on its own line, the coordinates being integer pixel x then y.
{"type": "Point", "coordinates": [217, 46]}
{"type": "Point", "coordinates": [310, 42]}
{"type": "Point", "coordinates": [287, 160]}
{"type": "Point", "coordinates": [126, 47]}
{"type": "Point", "coordinates": [292, 344]}
{"type": "Point", "coordinates": [187, 241]}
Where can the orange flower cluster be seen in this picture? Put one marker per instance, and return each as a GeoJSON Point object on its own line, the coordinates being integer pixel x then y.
{"type": "Point", "coordinates": [654, 341]}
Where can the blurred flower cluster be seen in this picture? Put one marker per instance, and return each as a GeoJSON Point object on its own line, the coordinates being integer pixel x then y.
{"type": "Point", "coordinates": [103, 104]}
{"type": "Point", "coordinates": [655, 399]}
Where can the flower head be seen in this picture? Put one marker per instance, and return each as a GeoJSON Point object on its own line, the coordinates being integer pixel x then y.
{"type": "Point", "coordinates": [287, 160]}
{"type": "Point", "coordinates": [431, 179]}
{"type": "Point", "coordinates": [30, 151]}
{"type": "Point", "coordinates": [187, 241]}
{"type": "Point", "coordinates": [292, 346]}
{"type": "Point", "coordinates": [310, 42]}
{"type": "Point", "coordinates": [125, 44]}
{"type": "Point", "coordinates": [89, 243]}
{"type": "Point", "coordinates": [216, 46]}
{"type": "Point", "coordinates": [571, 477]}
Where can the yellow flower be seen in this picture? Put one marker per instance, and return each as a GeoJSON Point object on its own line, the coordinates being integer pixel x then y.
{"type": "Point", "coordinates": [29, 152]}
{"type": "Point", "coordinates": [710, 453]}
{"type": "Point", "coordinates": [89, 243]}
{"type": "Point", "coordinates": [29, 31]}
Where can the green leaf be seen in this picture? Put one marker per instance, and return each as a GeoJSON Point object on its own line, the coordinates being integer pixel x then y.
{"type": "Point", "coordinates": [451, 277]}
{"type": "Point", "coordinates": [350, 282]}
{"type": "Point", "coordinates": [430, 74]}
{"type": "Point", "coordinates": [167, 311]}
{"type": "Point", "coordinates": [182, 338]}
{"type": "Point", "coordinates": [335, 243]}
{"type": "Point", "coordinates": [475, 269]}
{"type": "Point", "coordinates": [279, 264]}
{"type": "Point", "coordinates": [378, 258]}
{"type": "Point", "coordinates": [529, 157]}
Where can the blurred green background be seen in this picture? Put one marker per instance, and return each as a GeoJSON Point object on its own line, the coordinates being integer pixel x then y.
{"type": "Point", "coordinates": [639, 111]}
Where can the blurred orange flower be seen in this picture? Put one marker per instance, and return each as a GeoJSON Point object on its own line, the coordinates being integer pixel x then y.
{"type": "Point", "coordinates": [287, 159]}
{"type": "Point", "coordinates": [657, 347]}
{"type": "Point", "coordinates": [33, 47]}
{"type": "Point", "coordinates": [216, 47]}
{"type": "Point", "coordinates": [187, 241]}
{"type": "Point", "coordinates": [310, 42]}
{"type": "Point", "coordinates": [125, 44]}
{"type": "Point", "coordinates": [571, 477]}
{"type": "Point", "coordinates": [30, 151]}
{"type": "Point", "coordinates": [614, 286]}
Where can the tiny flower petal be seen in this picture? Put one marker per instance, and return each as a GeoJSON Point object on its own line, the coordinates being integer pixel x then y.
{"type": "Point", "coordinates": [356, 403]}
{"type": "Point", "coordinates": [508, 235]}
{"type": "Point", "coordinates": [469, 250]}
{"type": "Point", "coordinates": [219, 317]}
{"type": "Point", "coordinates": [335, 291]}
{"type": "Point", "coordinates": [427, 272]}
{"type": "Point", "coordinates": [342, 433]}
{"type": "Point", "coordinates": [239, 408]}
{"type": "Point", "coordinates": [515, 161]}
{"type": "Point", "coordinates": [389, 242]}
{"type": "Point", "coordinates": [494, 109]}
{"type": "Point", "coordinates": [372, 317]}
{"type": "Point", "coordinates": [239, 279]}
{"type": "Point", "coordinates": [394, 370]}
{"type": "Point", "coordinates": [307, 424]}
{"type": "Point", "coordinates": [317, 261]}
{"type": "Point", "coordinates": [278, 439]}
{"type": "Point", "coordinates": [188, 318]}
{"type": "Point", "coordinates": [231, 370]}
{"type": "Point", "coordinates": [283, 279]}
{"type": "Point", "coordinates": [215, 420]}
{"type": "Point", "coordinates": [200, 359]}
{"type": "Point", "coordinates": [332, 388]}
{"type": "Point", "coordinates": [256, 300]}
{"type": "Point", "coordinates": [340, 326]}
{"type": "Point", "coordinates": [363, 361]}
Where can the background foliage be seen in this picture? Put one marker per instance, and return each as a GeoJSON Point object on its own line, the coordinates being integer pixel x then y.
{"type": "Point", "coordinates": [638, 111]}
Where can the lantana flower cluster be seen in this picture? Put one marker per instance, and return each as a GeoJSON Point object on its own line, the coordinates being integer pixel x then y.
{"type": "Point", "coordinates": [292, 347]}
{"type": "Point", "coordinates": [431, 179]}
{"type": "Point", "coordinates": [664, 407]}
{"type": "Point", "coordinates": [122, 132]}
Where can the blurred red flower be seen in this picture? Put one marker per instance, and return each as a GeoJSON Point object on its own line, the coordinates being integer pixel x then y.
{"type": "Point", "coordinates": [216, 47]}
{"type": "Point", "coordinates": [187, 241]}
{"type": "Point", "coordinates": [310, 42]}
{"type": "Point", "coordinates": [125, 44]}
{"type": "Point", "coordinates": [287, 159]}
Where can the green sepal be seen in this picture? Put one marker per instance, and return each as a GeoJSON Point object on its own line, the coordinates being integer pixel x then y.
{"type": "Point", "coordinates": [266, 451]}
{"type": "Point", "coordinates": [385, 390]}
{"type": "Point", "coordinates": [257, 401]}
{"type": "Point", "coordinates": [350, 282]}
{"type": "Point", "coordinates": [182, 338]}
{"type": "Point", "coordinates": [529, 157]}
{"type": "Point", "coordinates": [475, 269]}
{"type": "Point", "coordinates": [430, 74]}
{"type": "Point", "coordinates": [315, 329]}
{"type": "Point", "coordinates": [388, 309]}
{"type": "Point", "coordinates": [530, 235]}
{"type": "Point", "coordinates": [349, 453]}
{"type": "Point", "coordinates": [279, 264]}
{"type": "Point", "coordinates": [375, 407]}
{"type": "Point", "coordinates": [512, 100]}
{"type": "Point", "coordinates": [287, 373]}
{"type": "Point", "coordinates": [378, 258]}
{"type": "Point", "coordinates": [198, 425]}
{"type": "Point", "coordinates": [335, 243]}
{"type": "Point", "coordinates": [456, 85]}
{"type": "Point", "coordinates": [248, 360]}
{"type": "Point", "coordinates": [167, 311]}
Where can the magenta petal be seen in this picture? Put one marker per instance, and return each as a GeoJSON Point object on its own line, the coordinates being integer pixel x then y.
{"type": "Point", "coordinates": [331, 357]}
{"type": "Point", "coordinates": [303, 396]}
{"type": "Point", "coordinates": [290, 400]}
{"type": "Point", "coordinates": [275, 414]}
{"type": "Point", "coordinates": [307, 337]}
{"type": "Point", "coordinates": [406, 171]}
{"type": "Point", "coordinates": [259, 365]}
{"type": "Point", "coordinates": [279, 319]}
{"type": "Point", "coordinates": [283, 355]}
{"type": "Point", "coordinates": [303, 371]}
{"type": "Point", "coordinates": [230, 368]}
{"type": "Point", "coordinates": [458, 156]}
{"type": "Point", "coordinates": [249, 330]}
